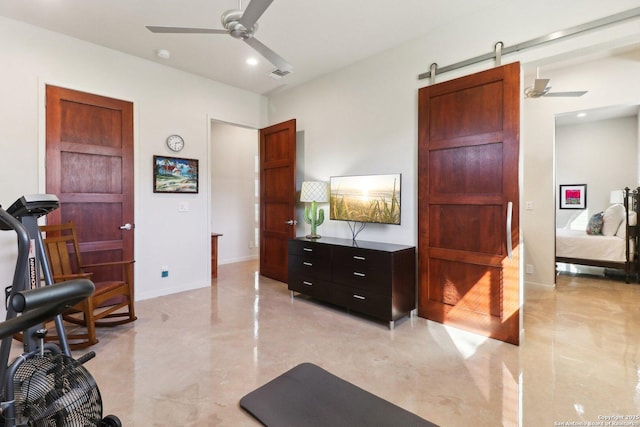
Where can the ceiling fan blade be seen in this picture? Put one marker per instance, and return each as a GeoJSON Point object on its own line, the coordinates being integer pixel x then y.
{"type": "Point", "coordinates": [540, 85]}
{"type": "Point", "coordinates": [568, 94]}
{"type": "Point", "coordinates": [270, 55]}
{"type": "Point", "coordinates": [253, 12]}
{"type": "Point", "coordinates": [183, 30]}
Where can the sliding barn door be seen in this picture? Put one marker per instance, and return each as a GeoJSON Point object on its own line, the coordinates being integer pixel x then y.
{"type": "Point", "coordinates": [468, 131]}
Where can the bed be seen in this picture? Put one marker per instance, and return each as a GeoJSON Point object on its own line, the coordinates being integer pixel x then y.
{"type": "Point", "coordinates": [614, 245]}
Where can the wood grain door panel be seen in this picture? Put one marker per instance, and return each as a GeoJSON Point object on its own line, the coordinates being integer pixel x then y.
{"type": "Point", "coordinates": [472, 110]}
{"type": "Point", "coordinates": [478, 169]}
{"type": "Point", "coordinates": [462, 228]}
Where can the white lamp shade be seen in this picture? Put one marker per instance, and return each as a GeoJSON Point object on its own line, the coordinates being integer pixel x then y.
{"type": "Point", "coordinates": [616, 197]}
{"type": "Point", "coordinates": [314, 191]}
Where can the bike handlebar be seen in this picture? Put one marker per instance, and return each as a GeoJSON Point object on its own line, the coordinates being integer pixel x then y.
{"type": "Point", "coordinates": [44, 303]}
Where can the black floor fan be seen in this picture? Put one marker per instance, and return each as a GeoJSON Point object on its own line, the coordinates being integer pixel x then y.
{"type": "Point", "coordinates": [56, 390]}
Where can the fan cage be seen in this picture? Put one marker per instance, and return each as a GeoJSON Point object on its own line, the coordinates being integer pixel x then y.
{"type": "Point", "coordinates": [55, 390]}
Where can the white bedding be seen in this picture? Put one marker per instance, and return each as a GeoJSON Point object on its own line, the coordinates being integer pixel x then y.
{"type": "Point", "coordinates": [579, 244]}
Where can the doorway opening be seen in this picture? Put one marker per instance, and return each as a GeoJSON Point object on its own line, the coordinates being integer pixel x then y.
{"type": "Point", "coordinates": [254, 190]}
{"type": "Point", "coordinates": [597, 148]}
{"type": "Point", "coordinates": [235, 191]}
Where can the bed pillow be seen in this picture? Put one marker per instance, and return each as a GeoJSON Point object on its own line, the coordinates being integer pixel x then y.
{"type": "Point", "coordinates": [595, 223]}
{"type": "Point", "coordinates": [613, 216]}
{"type": "Point", "coordinates": [633, 220]}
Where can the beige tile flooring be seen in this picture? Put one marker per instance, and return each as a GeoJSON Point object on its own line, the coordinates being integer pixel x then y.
{"type": "Point", "coordinates": [190, 357]}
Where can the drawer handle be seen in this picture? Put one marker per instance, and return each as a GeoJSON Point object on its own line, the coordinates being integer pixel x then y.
{"type": "Point", "coordinates": [359, 258]}
{"type": "Point", "coordinates": [307, 249]}
{"type": "Point", "coordinates": [309, 264]}
{"type": "Point", "coordinates": [304, 282]}
{"type": "Point", "coordinates": [356, 273]}
{"type": "Point", "coordinates": [359, 297]}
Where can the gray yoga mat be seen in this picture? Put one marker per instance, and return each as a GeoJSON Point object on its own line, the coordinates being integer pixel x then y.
{"type": "Point", "coordinates": [307, 395]}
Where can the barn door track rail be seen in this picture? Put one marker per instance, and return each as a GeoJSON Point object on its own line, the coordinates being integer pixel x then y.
{"type": "Point", "coordinates": [500, 49]}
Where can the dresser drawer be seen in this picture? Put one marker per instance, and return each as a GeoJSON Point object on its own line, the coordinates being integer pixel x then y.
{"type": "Point", "coordinates": [363, 269]}
{"type": "Point", "coordinates": [316, 288]}
{"type": "Point", "coordinates": [310, 250]}
{"type": "Point", "coordinates": [350, 254]}
{"type": "Point", "coordinates": [305, 266]}
{"type": "Point", "coordinates": [363, 301]}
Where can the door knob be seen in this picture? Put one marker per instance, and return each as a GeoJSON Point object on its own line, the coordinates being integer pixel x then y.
{"type": "Point", "coordinates": [291, 222]}
{"type": "Point", "coordinates": [127, 226]}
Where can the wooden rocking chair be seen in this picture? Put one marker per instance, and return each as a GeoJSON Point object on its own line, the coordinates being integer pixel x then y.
{"type": "Point", "coordinates": [105, 306]}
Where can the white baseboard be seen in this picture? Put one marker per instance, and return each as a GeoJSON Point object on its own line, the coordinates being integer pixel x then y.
{"type": "Point", "coordinates": [160, 292]}
{"type": "Point", "coordinates": [234, 260]}
{"type": "Point", "coordinates": [543, 285]}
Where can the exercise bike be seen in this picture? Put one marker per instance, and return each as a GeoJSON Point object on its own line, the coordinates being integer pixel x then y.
{"type": "Point", "coordinates": [44, 386]}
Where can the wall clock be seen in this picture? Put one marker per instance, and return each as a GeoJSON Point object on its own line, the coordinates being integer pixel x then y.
{"type": "Point", "coordinates": [175, 142]}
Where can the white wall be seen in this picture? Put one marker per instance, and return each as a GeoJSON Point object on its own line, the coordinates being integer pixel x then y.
{"type": "Point", "coordinates": [234, 151]}
{"type": "Point", "coordinates": [166, 101]}
{"type": "Point", "coordinates": [350, 129]}
{"type": "Point", "coordinates": [601, 154]}
{"type": "Point", "coordinates": [363, 119]}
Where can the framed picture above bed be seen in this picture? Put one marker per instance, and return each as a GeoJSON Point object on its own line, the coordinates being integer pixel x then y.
{"type": "Point", "coordinates": [573, 196]}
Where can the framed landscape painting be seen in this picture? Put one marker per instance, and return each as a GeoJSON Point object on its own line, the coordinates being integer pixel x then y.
{"type": "Point", "coordinates": [573, 196]}
{"type": "Point", "coordinates": [175, 175]}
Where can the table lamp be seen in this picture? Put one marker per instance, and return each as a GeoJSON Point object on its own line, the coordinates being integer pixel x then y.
{"type": "Point", "coordinates": [314, 192]}
{"type": "Point", "coordinates": [617, 196]}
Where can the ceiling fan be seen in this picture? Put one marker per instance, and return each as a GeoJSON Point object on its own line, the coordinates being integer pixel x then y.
{"type": "Point", "coordinates": [540, 89]}
{"type": "Point", "coordinates": [241, 25]}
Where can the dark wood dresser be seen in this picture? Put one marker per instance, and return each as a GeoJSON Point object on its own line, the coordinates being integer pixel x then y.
{"type": "Point", "coordinates": [376, 279]}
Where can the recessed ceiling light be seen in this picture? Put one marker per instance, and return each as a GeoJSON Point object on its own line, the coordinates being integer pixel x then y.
{"type": "Point", "coordinates": [580, 115]}
{"type": "Point", "coordinates": [163, 53]}
{"type": "Point", "coordinates": [252, 61]}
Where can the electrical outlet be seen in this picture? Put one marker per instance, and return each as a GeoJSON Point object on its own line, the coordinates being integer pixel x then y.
{"type": "Point", "coordinates": [529, 206]}
{"type": "Point", "coordinates": [529, 269]}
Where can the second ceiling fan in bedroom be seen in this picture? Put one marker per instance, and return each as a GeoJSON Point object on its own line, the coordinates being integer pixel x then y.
{"type": "Point", "coordinates": [241, 25]}
{"type": "Point", "coordinates": [540, 89]}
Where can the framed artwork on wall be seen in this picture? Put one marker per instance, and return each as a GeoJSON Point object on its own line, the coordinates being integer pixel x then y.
{"type": "Point", "coordinates": [175, 175]}
{"type": "Point", "coordinates": [573, 196]}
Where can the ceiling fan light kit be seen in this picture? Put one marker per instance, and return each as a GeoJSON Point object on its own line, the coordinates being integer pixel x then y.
{"type": "Point", "coordinates": [231, 21]}
{"type": "Point", "coordinates": [240, 25]}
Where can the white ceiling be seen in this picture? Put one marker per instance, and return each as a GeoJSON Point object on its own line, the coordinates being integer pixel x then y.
{"type": "Point", "coordinates": [316, 37]}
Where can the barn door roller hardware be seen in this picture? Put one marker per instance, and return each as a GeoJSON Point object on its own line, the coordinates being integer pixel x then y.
{"type": "Point", "coordinates": [556, 35]}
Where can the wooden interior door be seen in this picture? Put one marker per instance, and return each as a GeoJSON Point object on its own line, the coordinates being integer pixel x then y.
{"type": "Point", "coordinates": [89, 161]}
{"type": "Point", "coordinates": [468, 263]}
{"type": "Point", "coordinates": [277, 197]}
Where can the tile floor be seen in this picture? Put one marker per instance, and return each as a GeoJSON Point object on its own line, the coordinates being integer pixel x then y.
{"type": "Point", "coordinates": [190, 357]}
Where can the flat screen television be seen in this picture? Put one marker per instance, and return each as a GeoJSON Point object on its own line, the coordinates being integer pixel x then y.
{"type": "Point", "coordinates": [365, 198]}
